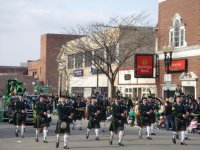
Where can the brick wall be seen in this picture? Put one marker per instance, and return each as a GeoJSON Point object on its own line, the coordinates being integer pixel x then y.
{"type": "Point", "coordinates": [189, 10]}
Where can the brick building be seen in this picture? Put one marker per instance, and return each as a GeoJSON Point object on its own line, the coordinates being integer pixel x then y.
{"type": "Point", "coordinates": [45, 69]}
{"type": "Point", "coordinates": [179, 25]}
{"type": "Point", "coordinates": [15, 72]}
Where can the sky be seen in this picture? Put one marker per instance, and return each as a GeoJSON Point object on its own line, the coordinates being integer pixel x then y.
{"type": "Point", "coordinates": [22, 22]}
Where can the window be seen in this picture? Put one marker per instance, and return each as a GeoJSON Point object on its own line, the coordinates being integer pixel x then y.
{"type": "Point", "coordinates": [71, 61]}
{"type": "Point", "coordinates": [88, 59]}
{"type": "Point", "coordinates": [177, 32]}
{"type": "Point", "coordinates": [78, 60]}
{"type": "Point", "coordinates": [98, 54]}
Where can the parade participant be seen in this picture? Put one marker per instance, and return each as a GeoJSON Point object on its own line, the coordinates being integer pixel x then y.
{"type": "Point", "coordinates": [180, 120]}
{"type": "Point", "coordinates": [93, 118]}
{"type": "Point", "coordinates": [71, 105]}
{"type": "Point", "coordinates": [152, 116]}
{"type": "Point", "coordinates": [63, 123]}
{"type": "Point", "coordinates": [102, 104]}
{"type": "Point", "coordinates": [41, 119]}
{"type": "Point", "coordinates": [146, 112]}
{"type": "Point", "coordinates": [20, 107]}
{"type": "Point", "coordinates": [117, 122]}
{"type": "Point", "coordinates": [80, 112]}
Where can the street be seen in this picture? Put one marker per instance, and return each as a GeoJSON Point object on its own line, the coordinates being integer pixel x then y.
{"type": "Point", "coordinates": [77, 140]}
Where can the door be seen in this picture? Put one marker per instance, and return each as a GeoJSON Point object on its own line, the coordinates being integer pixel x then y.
{"type": "Point", "coordinates": [189, 90]}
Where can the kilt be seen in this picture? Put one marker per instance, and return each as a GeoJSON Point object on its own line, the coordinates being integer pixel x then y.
{"type": "Point", "coordinates": [93, 122]}
{"type": "Point", "coordinates": [60, 130]}
{"type": "Point", "coordinates": [40, 122]}
{"type": "Point", "coordinates": [19, 118]}
{"type": "Point", "coordinates": [116, 125]}
{"type": "Point", "coordinates": [180, 124]}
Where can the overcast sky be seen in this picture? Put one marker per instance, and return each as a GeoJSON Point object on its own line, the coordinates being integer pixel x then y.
{"type": "Point", "coordinates": [22, 22]}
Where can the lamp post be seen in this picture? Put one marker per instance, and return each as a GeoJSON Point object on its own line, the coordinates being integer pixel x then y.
{"type": "Point", "coordinates": [168, 51]}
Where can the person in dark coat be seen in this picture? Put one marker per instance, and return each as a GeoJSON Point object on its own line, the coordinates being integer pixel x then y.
{"type": "Point", "coordinates": [20, 108]}
{"type": "Point", "coordinates": [93, 118]}
{"type": "Point", "coordinates": [181, 116]}
{"type": "Point", "coordinates": [65, 114]}
{"type": "Point", "coordinates": [117, 122]}
{"type": "Point", "coordinates": [41, 121]}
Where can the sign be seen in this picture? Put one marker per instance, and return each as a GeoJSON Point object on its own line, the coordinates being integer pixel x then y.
{"type": "Point", "coordinates": [167, 77]}
{"type": "Point", "coordinates": [179, 65]}
{"type": "Point", "coordinates": [144, 64]}
{"type": "Point", "coordinates": [94, 70]}
{"type": "Point", "coordinates": [78, 73]}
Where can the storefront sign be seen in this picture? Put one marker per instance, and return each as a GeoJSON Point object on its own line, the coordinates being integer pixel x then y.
{"type": "Point", "coordinates": [78, 72]}
{"type": "Point", "coordinates": [144, 65]}
{"type": "Point", "coordinates": [178, 65]}
{"type": "Point", "coordinates": [94, 70]}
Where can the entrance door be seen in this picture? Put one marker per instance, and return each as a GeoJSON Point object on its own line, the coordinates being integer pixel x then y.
{"type": "Point", "coordinates": [189, 90]}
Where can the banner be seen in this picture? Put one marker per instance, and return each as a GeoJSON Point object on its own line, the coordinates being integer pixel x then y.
{"type": "Point", "coordinates": [144, 64]}
{"type": "Point", "coordinates": [179, 65]}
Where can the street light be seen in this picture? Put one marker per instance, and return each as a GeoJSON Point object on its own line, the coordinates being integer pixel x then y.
{"type": "Point", "coordinates": [168, 51]}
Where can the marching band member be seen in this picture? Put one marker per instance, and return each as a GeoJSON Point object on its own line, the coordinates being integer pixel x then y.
{"type": "Point", "coordinates": [93, 117]}
{"type": "Point", "coordinates": [65, 114]}
{"type": "Point", "coordinates": [41, 119]}
{"type": "Point", "coordinates": [117, 122]}
{"type": "Point", "coordinates": [180, 120]}
{"type": "Point", "coordinates": [20, 107]}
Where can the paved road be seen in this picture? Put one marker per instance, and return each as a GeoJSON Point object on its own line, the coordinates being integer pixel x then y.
{"type": "Point", "coordinates": [77, 141]}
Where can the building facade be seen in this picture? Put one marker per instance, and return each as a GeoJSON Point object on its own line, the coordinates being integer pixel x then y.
{"type": "Point", "coordinates": [15, 73]}
{"type": "Point", "coordinates": [178, 26]}
{"type": "Point", "coordinates": [45, 70]}
{"type": "Point", "coordinates": [80, 77]}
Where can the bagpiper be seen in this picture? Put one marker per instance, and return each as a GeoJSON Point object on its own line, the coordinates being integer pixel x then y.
{"type": "Point", "coordinates": [181, 116]}
{"type": "Point", "coordinates": [41, 121]}
{"type": "Point", "coordinates": [93, 118]}
{"type": "Point", "coordinates": [20, 108]}
{"type": "Point", "coordinates": [117, 122]}
{"type": "Point", "coordinates": [145, 118]}
{"type": "Point", "coordinates": [65, 114]}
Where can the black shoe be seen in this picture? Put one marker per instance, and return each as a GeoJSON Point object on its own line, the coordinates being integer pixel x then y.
{"type": "Point", "coordinates": [153, 134]}
{"type": "Point", "coordinates": [97, 138]}
{"type": "Point", "coordinates": [66, 147]}
{"type": "Point", "coordinates": [149, 138]}
{"type": "Point", "coordinates": [182, 143]}
{"type": "Point", "coordinates": [87, 136]}
{"type": "Point", "coordinates": [45, 141]}
{"type": "Point", "coordinates": [80, 128]}
{"type": "Point", "coordinates": [174, 140]}
{"type": "Point", "coordinates": [120, 144]}
{"type": "Point", "coordinates": [110, 142]}
{"type": "Point", "coordinates": [57, 144]}
{"type": "Point", "coordinates": [22, 136]}
{"type": "Point", "coordinates": [36, 140]}
{"type": "Point", "coordinates": [103, 130]}
{"type": "Point", "coordinates": [186, 138]}
{"type": "Point", "coordinates": [16, 134]}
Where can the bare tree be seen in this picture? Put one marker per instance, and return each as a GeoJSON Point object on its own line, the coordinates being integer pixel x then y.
{"type": "Point", "coordinates": [108, 46]}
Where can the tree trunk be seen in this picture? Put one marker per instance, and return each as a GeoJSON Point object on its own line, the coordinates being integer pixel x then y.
{"type": "Point", "coordinates": [112, 86]}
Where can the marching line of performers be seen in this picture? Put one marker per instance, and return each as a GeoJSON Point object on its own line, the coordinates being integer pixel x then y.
{"type": "Point", "coordinates": [98, 112]}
